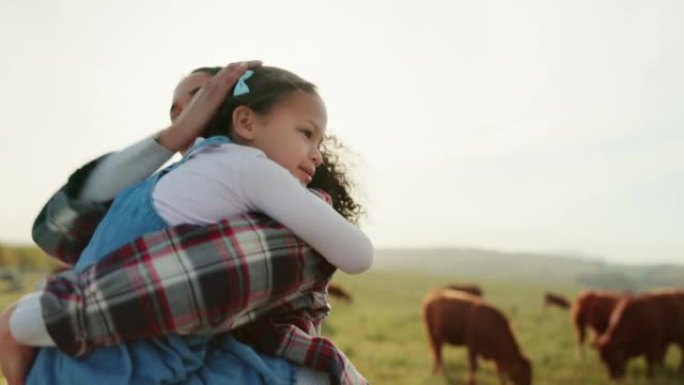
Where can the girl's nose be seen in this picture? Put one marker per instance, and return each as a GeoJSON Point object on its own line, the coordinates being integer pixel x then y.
{"type": "Point", "coordinates": [317, 157]}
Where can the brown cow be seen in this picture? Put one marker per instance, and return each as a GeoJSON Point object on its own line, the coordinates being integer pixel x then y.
{"type": "Point", "coordinates": [643, 325]}
{"type": "Point", "coordinates": [459, 318]}
{"type": "Point", "coordinates": [468, 288]}
{"type": "Point", "coordinates": [553, 299]}
{"type": "Point", "coordinates": [337, 291]}
{"type": "Point", "coordinates": [592, 308]}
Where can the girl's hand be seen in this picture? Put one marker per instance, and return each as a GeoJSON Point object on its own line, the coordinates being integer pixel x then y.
{"type": "Point", "coordinates": [15, 359]}
{"type": "Point", "coordinates": [190, 123]}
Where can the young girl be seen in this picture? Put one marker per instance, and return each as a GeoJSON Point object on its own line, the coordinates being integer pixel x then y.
{"type": "Point", "coordinates": [260, 152]}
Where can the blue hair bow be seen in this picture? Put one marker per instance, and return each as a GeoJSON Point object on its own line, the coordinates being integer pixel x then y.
{"type": "Point", "coordinates": [241, 87]}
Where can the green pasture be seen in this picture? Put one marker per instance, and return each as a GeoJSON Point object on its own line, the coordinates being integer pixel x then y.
{"type": "Point", "coordinates": [382, 332]}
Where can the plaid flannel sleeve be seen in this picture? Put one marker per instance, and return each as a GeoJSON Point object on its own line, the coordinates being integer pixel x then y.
{"type": "Point", "coordinates": [65, 224]}
{"type": "Point", "coordinates": [294, 335]}
{"type": "Point", "coordinates": [186, 279]}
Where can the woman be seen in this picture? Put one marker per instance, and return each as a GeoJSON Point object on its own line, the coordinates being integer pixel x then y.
{"type": "Point", "coordinates": [303, 292]}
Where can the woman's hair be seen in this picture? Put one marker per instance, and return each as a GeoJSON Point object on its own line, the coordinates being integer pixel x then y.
{"type": "Point", "coordinates": [207, 70]}
{"type": "Point", "coordinates": [267, 87]}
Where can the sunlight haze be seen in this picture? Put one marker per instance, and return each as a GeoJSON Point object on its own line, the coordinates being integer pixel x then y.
{"type": "Point", "coordinates": [513, 125]}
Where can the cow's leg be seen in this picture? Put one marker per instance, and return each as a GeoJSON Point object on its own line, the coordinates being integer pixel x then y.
{"type": "Point", "coordinates": [661, 353]}
{"type": "Point", "coordinates": [472, 366]}
{"type": "Point", "coordinates": [651, 362]}
{"type": "Point", "coordinates": [437, 365]}
{"type": "Point", "coordinates": [655, 357]}
{"type": "Point", "coordinates": [580, 334]}
{"type": "Point", "coordinates": [503, 380]}
{"type": "Point", "coordinates": [681, 362]}
{"type": "Point", "coordinates": [650, 366]}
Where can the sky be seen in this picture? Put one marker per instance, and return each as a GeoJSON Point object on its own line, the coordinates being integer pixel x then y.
{"type": "Point", "coordinates": [542, 126]}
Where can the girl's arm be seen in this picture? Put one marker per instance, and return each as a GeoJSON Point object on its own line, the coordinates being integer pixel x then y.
{"type": "Point", "coordinates": [274, 191]}
{"type": "Point", "coordinates": [230, 179]}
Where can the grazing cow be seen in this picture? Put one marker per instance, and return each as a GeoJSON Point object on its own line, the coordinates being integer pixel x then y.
{"type": "Point", "coordinates": [339, 292]}
{"type": "Point", "coordinates": [468, 288]}
{"type": "Point", "coordinates": [458, 318]}
{"type": "Point", "coordinates": [553, 299]}
{"type": "Point", "coordinates": [643, 325]}
{"type": "Point", "coordinates": [592, 308]}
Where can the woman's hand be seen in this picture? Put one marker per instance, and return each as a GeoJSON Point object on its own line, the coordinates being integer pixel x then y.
{"type": "Point", "coordinates": [15, 359]}
{"type": "Point", "coordinates": [192, 121]}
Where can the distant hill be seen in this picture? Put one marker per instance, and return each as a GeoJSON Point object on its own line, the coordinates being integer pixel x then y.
{"type": "Point", "coordinates": [464, 263]}
{"type": "Point", "coordinates": [470, 263]}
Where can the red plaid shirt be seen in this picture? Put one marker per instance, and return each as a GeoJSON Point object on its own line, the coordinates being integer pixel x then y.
{"type": "Point", "coordinates": [247, 274]}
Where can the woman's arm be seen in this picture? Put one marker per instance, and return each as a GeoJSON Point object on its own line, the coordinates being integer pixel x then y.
{"type": "Point", "coordinates": [67, 221]}
{"type": "Point", "coordinates": [122, 169]}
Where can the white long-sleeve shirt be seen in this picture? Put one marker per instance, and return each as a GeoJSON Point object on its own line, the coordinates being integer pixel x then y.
{"type": "Point", "coordinates": [229, 179]}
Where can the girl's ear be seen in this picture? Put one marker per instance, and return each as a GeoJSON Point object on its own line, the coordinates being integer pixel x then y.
{"type": "Point", "coordinates": [244, 123]}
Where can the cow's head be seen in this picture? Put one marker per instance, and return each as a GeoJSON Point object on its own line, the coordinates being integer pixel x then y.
{"type": "Point", "coordinates": [613, 356]}
{"type": "Point", "coordinates": [614, 344]}
{"type": "Point", "coordinates": [521, 372]}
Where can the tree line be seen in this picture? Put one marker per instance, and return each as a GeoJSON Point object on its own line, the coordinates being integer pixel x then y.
{"type": "Point", "coordinates": [25, 258]}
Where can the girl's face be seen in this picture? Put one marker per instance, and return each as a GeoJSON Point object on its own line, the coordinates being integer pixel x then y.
{"type": "Point", "coordinates": [185, 90]}
{"type": "Point", "coordinates": [291, 134]}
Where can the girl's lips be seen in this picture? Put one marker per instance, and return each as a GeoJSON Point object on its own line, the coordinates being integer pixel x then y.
{"type": "Point", "coordinates": [305, 176]}
{"type": "Point", "coordinates": [309, 171]}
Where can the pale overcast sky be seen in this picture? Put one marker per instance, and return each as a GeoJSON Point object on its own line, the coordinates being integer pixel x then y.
{"type": "Point", "coordinates": [516, 125]}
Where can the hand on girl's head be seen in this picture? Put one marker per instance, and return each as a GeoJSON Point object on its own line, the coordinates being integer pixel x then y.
{"type": "Point", "coordinates": [191, 84]}
{"type": "Point", "coordinates": [195, 101]}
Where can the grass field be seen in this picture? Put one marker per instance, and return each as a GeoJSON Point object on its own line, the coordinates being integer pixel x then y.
{"type": "Point", "coordinates": [383, 334]}
{"type": "Point", "coordinates": [381, 331]}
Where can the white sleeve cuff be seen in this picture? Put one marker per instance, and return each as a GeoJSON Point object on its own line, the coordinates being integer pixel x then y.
{"type": "Point", "coordinates": [123, 168]}
{"type": "Point", "coordinates": [27, 325]}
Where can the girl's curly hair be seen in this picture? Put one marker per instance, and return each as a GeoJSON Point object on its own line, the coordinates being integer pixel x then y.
{"type": "Point", "coordinates": [331, 176]}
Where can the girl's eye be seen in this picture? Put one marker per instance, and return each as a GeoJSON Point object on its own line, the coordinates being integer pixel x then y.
{"type": "Point", "coordinates": [307, 132]}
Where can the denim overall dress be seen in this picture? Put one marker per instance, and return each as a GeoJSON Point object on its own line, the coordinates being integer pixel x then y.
{"type": "Point", "coordinates": [172, 359]}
